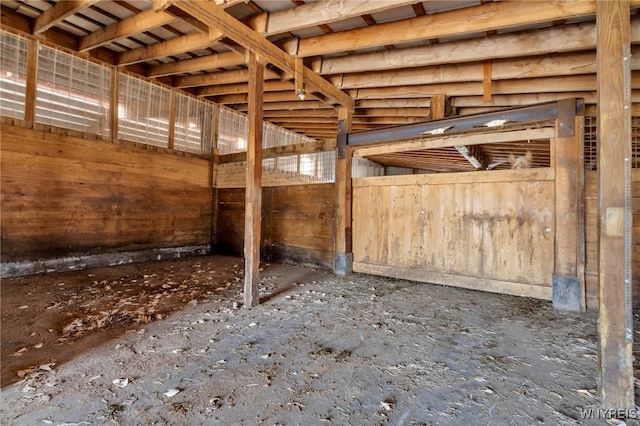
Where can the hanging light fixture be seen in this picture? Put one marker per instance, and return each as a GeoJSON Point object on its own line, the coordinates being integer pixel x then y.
{"type": "Point", "coordinates": [302, 94]}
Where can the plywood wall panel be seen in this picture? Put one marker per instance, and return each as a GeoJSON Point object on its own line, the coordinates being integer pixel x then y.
{"type": "Point", "coordinates": [495, 229]}
{"type": "Point", "coordinates": [63, 195]}
{"type": "Point", "coordinates": [297, 223]}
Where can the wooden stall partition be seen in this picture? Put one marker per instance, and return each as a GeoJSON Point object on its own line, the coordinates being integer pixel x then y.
{"type": "Point", "coordinates": [297, 223]}
{"type": "Point", "coordinates": [64, 196]}
{"type": "Point", "coordinates": [591, 238]}
{"type": "Point", "coordinates": [491, 231]}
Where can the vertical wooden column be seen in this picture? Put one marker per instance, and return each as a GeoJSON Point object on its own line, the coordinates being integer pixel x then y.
{"type": "Point", "coordinates": [486, 81]}
{"type": "Point", "coordinates": [31, 84]}
{"type": "Point", "coordinates": [343, 259]}
{"type": "Point", "coordinates": [215, 168]}
{"type": "Point", "coordinates": [615, 326]}
{"type": "Point", "coordinates": [568, 277]}
{"type": "Point", "coordinates": [438, 107]}
{"type": "Point", "coordinates": [172, 119]}
{"type": "Point", "coordinates": [113, 104]}
{"type": "Point", "coordinates": [253, 197]}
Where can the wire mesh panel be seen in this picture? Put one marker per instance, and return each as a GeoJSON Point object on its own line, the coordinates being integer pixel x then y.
{"type": "Point", "coordinates": [363, 167]}
{"type": "Point", "coordinates": [269, 135]}
{"type": "Point", "coordinates": [13, 74]}
{"type": "Point", "coordinates": [299, 169]}
{"type": "Point", "coordinates": [233, 132]}
{"type": "Point", "coordinates": [72, 92]}
{"type": "Point", "coordinates": [194, 124]}
{"type": "Point", "coordinates": [591, 142]}
{"type": "Point", "coordinates": [143, 111]}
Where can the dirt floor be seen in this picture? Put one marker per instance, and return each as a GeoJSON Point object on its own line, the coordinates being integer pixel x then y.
{"type": "Point", "coordinates": [169, 343]}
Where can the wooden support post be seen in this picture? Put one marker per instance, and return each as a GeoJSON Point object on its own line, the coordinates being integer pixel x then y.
{"type": "Point", "coordinates": [113, 104]}
{"type": "Point", "coordinates": [486, 86]}
{"type": "Point", "coordinates": [615, 326]}
{"type": "Point", "coordinates": [438, 107]}
{"type": "Point", "coordinates": [343, 261]}
{"type": "Point", "coordinates": [31, 84]}
{"type": "Point", "coordinates": [172, 119]}
{"type": "Point", "coordinates": [568, 278]}
{"type": "Point", "coordinates": [253, 197]}
{"type": "Point", "coordinates": [215, 168]}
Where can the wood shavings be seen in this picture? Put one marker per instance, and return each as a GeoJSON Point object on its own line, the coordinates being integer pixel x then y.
{"type": "Point", "coordinates": [171, 392]}
{"type": "Point", "coordinates": [121, 383]}
{"type": "Point", "coordinates": [19, 352]}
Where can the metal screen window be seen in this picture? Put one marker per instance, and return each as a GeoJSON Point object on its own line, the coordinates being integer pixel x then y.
{"type": "Point", "coordinates": [194, 125]}
{"type": "Point", "coordinates": [72, 92]}
{"type": "Point", "coordinates": [300, 169]}
{"type": "Point", "coordinates": [13, 74]}
{"type": "Point", "coordinates": [143, 111]}
{"type": "Point", "coordinates": [317, 167]}
{"type": "Point", "coordinates": [363, 167]}
{"type": "Point", "coordinates": [233, 132]}
{"type": "Point", "coordinates": [591, 142]}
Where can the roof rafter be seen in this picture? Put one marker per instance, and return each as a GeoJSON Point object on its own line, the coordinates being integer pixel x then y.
{"type": "Point", "coordinates": [58, 13]}
{"type": "Point", "coordinates": [267, 24]}
{"type": "Point", "coordinates": [135, 24]}
{"type": "Point", "coordinates": [536, 42]}
{"type": "Point", "coordinates": [482, 18]}
{"type": "Point", "coordinates": [216, 17]}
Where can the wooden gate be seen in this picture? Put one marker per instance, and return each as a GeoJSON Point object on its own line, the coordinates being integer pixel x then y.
{"type": "Point", "coordinates": [488, 230]}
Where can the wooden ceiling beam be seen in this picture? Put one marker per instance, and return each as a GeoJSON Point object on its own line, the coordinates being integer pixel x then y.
{"type": "Point", "coordinates": [201, 63]}
{"type": "Point", "coordinates": [394, 103]}
{"type": "Point", "coordinates": [311, 113]}
{"type": "Point", "coordinates": [501, 69]}
{"type": "Point", "coordinates": [216, 17]}
{"type": "Point", "coordinates": [267, 24]}
{"type": "Point", "coordinates": [576, 83]}
{"type": "Point", "coordinates": [534, 44]}
{"type": "Point", "coordinates": [242, 88]}
{"type": "Point", "coordinates": [391, 112]}
{"type": "Point", "coordinates": [325, 12]}
{"type": "Point", "coordinates": [571, 38]}
{"type": "Point", "coordinates": [216, 78]}
{"type": "Point", "coordinates": [486, 17]}
{"type": "Point", "coordinates": [186, 43]}
{"type": "Point", "coordinates": [519, 99]}
{"type": "Point", "coordinates": [289, 106]}
{"type": "Point", "coordinates": [57, 13]}
{"type": "Point", "coordinates": [132, 25]}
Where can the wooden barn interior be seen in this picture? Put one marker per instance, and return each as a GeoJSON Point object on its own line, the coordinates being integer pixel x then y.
{"type": "Point", "coordinates": [354, 136]}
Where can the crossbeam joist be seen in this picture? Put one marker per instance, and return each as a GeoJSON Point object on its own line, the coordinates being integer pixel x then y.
{"type": "Point", "coordinates": [135, 24]}
{"type": "Point", "coordinates": [58, 13]}
{"type": "Point", "coordinates": [445, 24]}
{"type": "Point", "coordinates": [216, 17]}
{"type": "Point", "coordinates": [267, 24]}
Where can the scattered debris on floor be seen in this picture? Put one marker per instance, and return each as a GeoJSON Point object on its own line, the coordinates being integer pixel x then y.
{"type": "Point", "coordinates": [170, 343]}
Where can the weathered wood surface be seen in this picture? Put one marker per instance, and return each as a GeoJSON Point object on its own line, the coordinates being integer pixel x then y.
{"type": "Point", "coordinates": [63, 195]}
{"type": "Point", "coordinates": [233, 175]}
{"type": "Point", "coordinates": [615, 322]}
{"type": "Point", "coordinates": [297, 223]}
{"type": "Point", "coordinates": [495, 227]}
{"type": "Point", "coordinates": [591, 237]}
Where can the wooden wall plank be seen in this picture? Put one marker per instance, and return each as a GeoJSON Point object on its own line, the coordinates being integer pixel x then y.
{"type": "Point", "coordinates": [65, 196]}
{"type": "Point", "coordinates": [493, 228]}
{"type": "Point", "coordinates": [310, 207]}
